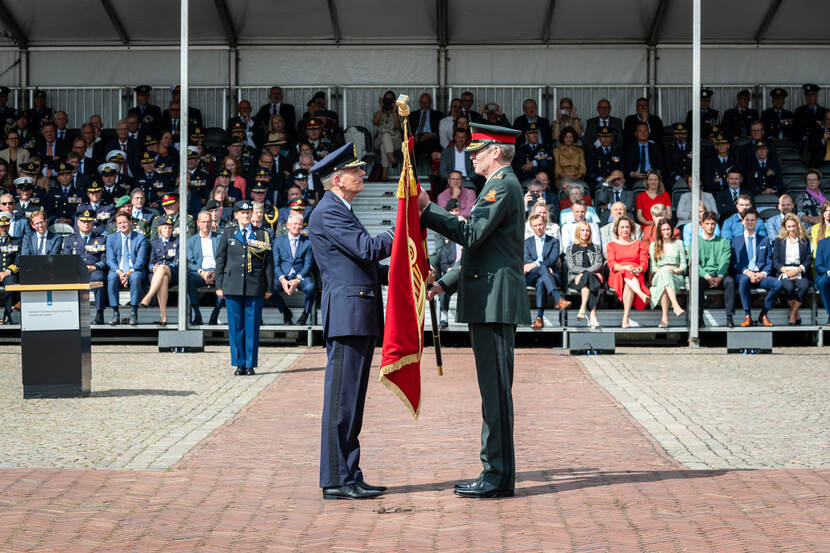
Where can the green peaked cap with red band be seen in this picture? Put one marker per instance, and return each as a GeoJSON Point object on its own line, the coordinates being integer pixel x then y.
{"type": "Point", "coordinates": [484, 135]}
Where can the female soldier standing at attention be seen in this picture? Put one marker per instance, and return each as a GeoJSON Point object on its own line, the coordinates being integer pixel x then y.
{"type": "Point", "coordinates": [245, 278]}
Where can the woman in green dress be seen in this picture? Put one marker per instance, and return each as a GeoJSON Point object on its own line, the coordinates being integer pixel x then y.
{"type": "Point", "coordinates": [668, 266]}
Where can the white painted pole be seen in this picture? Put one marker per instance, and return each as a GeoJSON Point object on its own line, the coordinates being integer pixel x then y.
{"type": "Point", "coordinates": [184, 135]}
{"type": "Point", "coordinates": [695, 295]}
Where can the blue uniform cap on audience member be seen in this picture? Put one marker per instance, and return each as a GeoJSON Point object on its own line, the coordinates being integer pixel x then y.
{"type": "Point", "coordinates": [259, 186]}
{"type": "Point", "coordinates": [744, 94]}
{"type": "Point", "coordinates": [707, 93]}
{"type": "Point", "coordinates": [680, 128]}
{"type": "Point", "coordinates": [147, 157]}
{"type": "Point", "coordinates": [243, 205]}
{"type": "Point", "coordinates": [778, 92]}
{"type": "Point", "coordinates": [94, 186]}
{"type": "Point", "coordinates": [5, 219]}
{"type": "Point", "coordinates": [87, 215]}
{"type": "Point", "coordinates": [300, 174]}
{"type": "Point", "coordinates": [40, 94]}
{"type": "Point", "coordinates": [811, 88]}
{"type": "Point", "coordinates": [263, 174]}
{"type": "Point", "coordinates": [143, 89]}
{"type": "Point", "coordinates": [64, 168]}
{"type": "Point", "coordinates": [342, 158]}
{"type": "Point", "coordinates": [168, 221]}
{"type": "Point", "coordinates": [29, 168]}
{"type": "Point", "coordinates": [150, 139]}
{"type": "Point", "coordinates": [604, 131]}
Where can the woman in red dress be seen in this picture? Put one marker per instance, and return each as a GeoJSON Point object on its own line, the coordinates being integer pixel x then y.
{"type": "Point", "coordinates": [655, 194]}
{"type": "Point", "coordinates": [627, 265]}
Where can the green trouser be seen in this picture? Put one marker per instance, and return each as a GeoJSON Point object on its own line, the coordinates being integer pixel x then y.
{"type": "Point", "coordinates": [493, 349]}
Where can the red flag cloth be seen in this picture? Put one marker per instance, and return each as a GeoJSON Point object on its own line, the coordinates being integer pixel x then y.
{"type": "Point", "coordinates": [403, 335]}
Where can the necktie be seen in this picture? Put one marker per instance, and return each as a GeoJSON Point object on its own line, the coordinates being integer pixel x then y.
{"type": "Point", "coordinates": [603, 123]}
{"type": "Point", "coordinates": [175, 125]}
{"type": "Point", "coordinates": [616, 195]}
{"type": "Point", "coordinates": [421, 123]}
{"type": "Point", "coordinates": [50, 151]}
{"type": "Point", "coordinates": [750, 248]}
{"type": "Point", "coordinates": [86, 240]}
{"type": "Point", "coordinates": [642, 168]}
{"type": "Point", "coordinates": [41, 247]}
{"type": "Point", "coordinates": [273, 109]}
{"type": "Point", "coordinates": [293, 247]}
{"type": "Point", "coordinates": [124, 266]}
{"type": "Point", "coordinates": [734, 196]}
{"type": "Point", "coordinates": [605, 150]}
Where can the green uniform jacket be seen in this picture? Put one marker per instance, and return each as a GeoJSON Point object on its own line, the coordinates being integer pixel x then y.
{"type": "Point", "coordinates": [489, 276]}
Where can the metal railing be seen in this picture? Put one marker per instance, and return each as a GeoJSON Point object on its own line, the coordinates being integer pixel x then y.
{"type": "Point", "coordinates": [212, 101]}
{"type": "Point", "coordinates": [81, 102]}
{"type": "Point", "coordinates": [359, 103]}
{"type": "Point", "coordinates": [509, 98]}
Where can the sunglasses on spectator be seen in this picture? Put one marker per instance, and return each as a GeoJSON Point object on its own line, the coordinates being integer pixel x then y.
{"type": "Point", "coordinates": [6, 203]}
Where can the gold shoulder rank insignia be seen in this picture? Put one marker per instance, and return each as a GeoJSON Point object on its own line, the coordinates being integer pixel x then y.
{"type": "Point", "coordinates": [490, 196]}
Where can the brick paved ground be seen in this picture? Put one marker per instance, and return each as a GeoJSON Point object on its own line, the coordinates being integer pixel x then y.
{"type": "Point", "coordinates": [590, 479]}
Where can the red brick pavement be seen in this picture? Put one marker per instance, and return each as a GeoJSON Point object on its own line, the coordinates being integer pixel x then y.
{"type": "Point", "coordinates": [590, 479]}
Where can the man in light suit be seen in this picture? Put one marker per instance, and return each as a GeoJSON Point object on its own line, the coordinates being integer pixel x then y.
{"type": "Point", "coordinates": [201, 266]}
{"type": "Point", "coordinates": [127, 257]}
{"type": "Point", "coordinates": [541, 256]}
{"type": "Point", "coordinates": [293, 260]}
{"type": "Point", "coordinates": [751, 265]}
{"type": "Point", "coordinates": [352, 310]}
{"type": "Point", "coordinates": [41, 241]}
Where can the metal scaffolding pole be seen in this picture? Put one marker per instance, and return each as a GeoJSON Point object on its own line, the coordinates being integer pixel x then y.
{"type": "Point", "coordinates": [184, 135]}
{"type": "Point", "coordinates": [694, 281]}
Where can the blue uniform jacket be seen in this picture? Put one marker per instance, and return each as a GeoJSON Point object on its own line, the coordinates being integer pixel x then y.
{"type": "Point", "coordinates": [140, 252]}
{"type": "Point", "coordinates": [94, 253]}
{"type": "Point", "coordinates": [740, 257]}
{"type": "Point", "coordinates": [194, 251]}
{"type": "Point", "coordinates": [283, 262]}
{"type": "Point", "coordinates": [348, 257]}
{"type": "Point", "coordinates": [168, 256]}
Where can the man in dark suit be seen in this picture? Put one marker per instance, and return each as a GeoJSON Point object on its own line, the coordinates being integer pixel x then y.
{"type": "Point", "coordinates": [194, 115]}
{"type": "Point", "coordinates": [736, 121]}
{"type": "Point", "coordinates": [293, 260]}
{"type": "Point", "coordinates": [245, 278]}
{"type": "Point", "coordinates": [491, 296]}
{"type": "Point", "coordinates": [128, 253]}
{"type": "Point", "coordinates": [641, 155]}
{"type": "Point", "coordinates": [717, 164]}
{"type": "Point", "coordinates": [751, 265]}
{"type": "Point", "coordinates": [541, 255]}
{"type": "Point", "coordinates": [818, 145]}
{"type": "Point", "coordinates": [48, 146]}
{"type": "Point", "coordinates": [590, 138]}
{"type": "Point", "coordinates": [274, 106]}
{"type": "Point", "coordinates": [610, 191]}
{"type": "Point", "coordinates": [763, 175]}
{"type": "Point", "coordinates": [779, 123]}
{"type": "Point", "coordinates": [424, 124]}
{"type": "Point", "coordinates": [531, 118]}
{"type": "Point", "coordinates": [352, 310]}
{"type": "Point", "coordinates": [604, 159]}
{"type": "Point", "coordinates": [532, 156]}
{"type": "Point", "coordinates": [122, 142]}
{"type": "Point", "coordinates": [149, 115]}
{"type": "Point", "coordinates": [254, 133]}
{"type": "Point", "coordinates": [653, 123]}
{"type": "Point", "coordinates": [41, 241]}
{"type": "Point", "coordinates": [728, 196]}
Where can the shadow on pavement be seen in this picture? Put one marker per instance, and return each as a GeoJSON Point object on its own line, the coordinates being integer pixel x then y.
{"type": "Point", "coordinates": [124, 392]}
{"type": "Point", "coordinates": [579, 478]}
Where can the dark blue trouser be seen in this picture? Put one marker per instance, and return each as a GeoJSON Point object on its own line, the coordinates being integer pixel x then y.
{"type": "Point", "coordinates": [545, 284]}
{"type": "Point", "coordinates": [823, 287]}
{"type": "Point", "coordinates": [100, 298]}
{"type": "Point", "coordinates": [772, 285]}
{"type": "Point", "coordinates": [136, 285]}
{"type": "Point", "coordinates": [347, 377]}
{"type": "Point", "coordinates": [194, 281]}
{"type": "Point", "coordinates": [306, 287]}
{"type": "Point", "coordinates": [244, 315]}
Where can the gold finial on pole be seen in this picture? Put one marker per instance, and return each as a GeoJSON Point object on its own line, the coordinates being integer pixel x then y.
{"type": "Point", "coordinates": [403, 105]}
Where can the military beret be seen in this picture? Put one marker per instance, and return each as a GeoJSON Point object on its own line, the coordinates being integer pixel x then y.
{"type": "Point", "coordinates": [760, 144]}
{"type": "Point", "coordinates": [259, 186]}
{"type": "Point", "coordinates": [313, 124]}
{"type": "Point", "coordinates": [87, 215]}
{"type": "Point", "coordinates": [4, 91]}
{"type": "Point", "coordinates": [107, 169]}
{"type": "Point", "coordinates": [300, 174]}
{"type": "Point", "coordinates": [211, 204]}
{"type": "Point", "coordinates": [297, 204]}
{"type": "Point", "coordinates": [143, 89]}
{"type": "Point", "coordinates": [150, 139]}
{"type": "Point", "coordinates": [64, 168]}
{"type": "Point", "coordinates": [39, 94]}
{"type": "Point", "coordinates": [778, 92]}
{"type": "Point", "coordinates": [744, 94]}
{"type": "Point", "coordinates": [167, 221]}
{"type": "Point", "coordinates": [243, 205]}
{"type": "Point", "coordinates": [224, 172]}
{"type": "Point", "coordinates": [707, 93]}
{"type": "Point", "coordinates": [720, 139]}
{"type": "Point", "coordinates": [452, 203]}
{"type": "Point", "coordinates": [29, 168]}
{"type": "Point", "coordinates": [94, 186]}
{"type": "Point", "coordinates": [484, 135]}
{"type": "Point", "coordinates": [605, 131]}
{"type": "Point", "coordinates": [122, 201]}
{"type": "Point", "coordinates": [115, 155]}
{"type": "Point", "coordinates": [342, 158]}
{"type": "Point", "coordinates": [169, 198]}
{"type": "Point", "coordinates": [147, 157]}
{"type": "Point", "coordinates": [193, 153]}
{"type": "Point", "coordinates": [810, 88]}
{"type": "Point", "coordinates": [533, 127]}
{"type": "Point", "coordinates": [680, 128]}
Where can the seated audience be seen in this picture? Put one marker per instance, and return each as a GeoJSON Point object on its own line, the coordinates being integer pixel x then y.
{"type": "Point", "coordinates": [821, 230]}
{"type": "Point", "coordinates": [791, 262]}
{"type": "Point", "coordinates": [9, 249]}
{"type": "Point", "coordinates": [678, 156]}
{"type": "Point", "coordinates": [714, 261]}
{"type": "Point", "coordinates": [658, 211]}
{"type": "Point", "coordinates": [568, 158]}
{"type": "Point", "coordinates": [822, 256]}
{"type": "Point", "coordinates": [456, 190]}
{"type": "Point", "coordinates": [447, 125]}
{"type": "Point", "coordinates": [575, 193]}
{"type": "Point", "coordinates": [627, 265]}
{"type": "Point", "coordinates": [538, 191]}
{"type": "Point", "coordinates": [684, 205]}
{"type": "Point", "coordinates": [728, 197]}
{"type": "Point", "coordinates": [688, 227]}
{"type": "Point", "coordinates": [91, 248]}
{"type": "Point", "coordinates": [127, 256]}
{"type": "Point", "coordinates": [531, 119]}
{"type": "Point", "coordinates": [448, 255]}
{"type": "Point", "coordinates": [654, 125]}
{"type": "Point", "coordinates": [641, 155]}
{"type": "Point", "coordinates": [818, 144]}
{"type": "Point", "coordinates": [762, 174]}
{"type": "Point", "coordinates": [668, 270]}
{"type": "Point", "coordinates": [584, 262]}
{"type": "Point", "coordinates": [773, 224]}
{"type": "Point", "coordinates": [733, 226]}
{"type": "Point", "coordinates": [164, 267]}
{"type": "Point", "coordinates": [603, 159]}
{"type": "Point", "coordinates": [551, 228]}
{"type": "Point", "coordinates": [293, 261]}
{"type": "Point", "coordinates": [612, 190]}
{"type": "Point", "coordinates": [606, 232]}
{"type": "Point", "coordinates": [603, 120]}
{"type": "Point", "coordinates": [42, 241]}
{"type": "Point", "coordinates": [541, 256]}
{"type": "Point", "coordinates": [568, 230]}
{"type": "Point", "coordinates": [201, 264]}
{"type": "Point", "coordinates": [717, 164]}
{"type": "Point", "coordinates": [532, 156]}
{"type": "Point", "coordinates": [388, 134]}
{"type": "Point", "coordinates": [456, 158]}
{"type": "Point", "coordinates": [566, 118]}
{"type": "Point", "coordinates": [655, 193]}
{"type": "Point", "coordinates": [810, 202]}
{"type": "Point", "coordinates": [752, 265]}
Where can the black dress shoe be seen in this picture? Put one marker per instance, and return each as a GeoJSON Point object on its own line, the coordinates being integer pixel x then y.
{"type": "Point", "coordinates": [465, 485]}
{"type": "Point", "coordinates": [7, 319]}
{"type": "Point", "coordinates": [349, 491]}
{"type": "Point", "coordinates": [240, 371]}
{"type": "Point", "coordinates": [368, 487]}
{"type": "Point", "coordinates": [443, 325]}
{"type": "Point", "coordinates": [214, 317]}
{"type": "Point", "coordinates": [99, 318]}
{"type": "Point", "coordinates": [287, 319]}
{"type": "Point", "coordinates": [730, 323]}
{"type": "Point", "coordinates": [301, 320]}
{"type": "Point", "coordinates": [249, 372]}
{"type": "Point", "coordinates": [197, 321]}
{"type": "Point", "coordinates": [481, 489]}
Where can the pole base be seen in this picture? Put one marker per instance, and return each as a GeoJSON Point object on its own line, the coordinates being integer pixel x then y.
{"type": "Point", "coordinates": [181, 341]}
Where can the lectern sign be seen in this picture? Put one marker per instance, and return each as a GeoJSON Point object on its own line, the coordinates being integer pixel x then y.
{"type": "Point", "coordinates": [49, 310]}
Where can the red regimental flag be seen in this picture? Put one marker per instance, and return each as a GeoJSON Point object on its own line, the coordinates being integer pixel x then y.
{"type": "Point", "coordinates": [403, 336]}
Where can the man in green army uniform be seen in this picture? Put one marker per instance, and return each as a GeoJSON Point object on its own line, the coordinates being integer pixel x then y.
{"type": "Point", "coordinates": [122, 205]}
{"type": "Point", "coordinates": [170, 205]}
{"type": "Point", "coordinates": [491, 295]}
